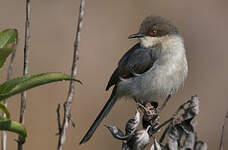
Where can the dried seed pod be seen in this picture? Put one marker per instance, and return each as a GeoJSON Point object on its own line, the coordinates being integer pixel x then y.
{"type": "Point", "coordinates": [116, 132]}
{"type": "Point", "coordinates": [132, 124]}
{"type": "Point", "coordinates": [156, 146]}
{"type": "Point", "coordinates": [140, 140]}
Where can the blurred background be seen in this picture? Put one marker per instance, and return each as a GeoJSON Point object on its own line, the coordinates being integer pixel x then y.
{"type": "Point", "coordinates": [107, 25]}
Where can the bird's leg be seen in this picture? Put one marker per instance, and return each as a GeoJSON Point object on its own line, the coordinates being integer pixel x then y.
{"type": "Point", "coordinates": [150, 117]}
{"type": "Point", "coordinates": [141, 107]}
{"type": "Point", "coordinates": [148, 108]}
{"type": "Point", "coordinates": [139, 104]}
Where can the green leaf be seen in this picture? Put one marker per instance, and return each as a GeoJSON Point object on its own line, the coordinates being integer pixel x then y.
{"type": "Point", "coordinates": [8, 36]}
{"type": "Point", "coordinates": [17, 85]}
{"type": "Point", "coordinates": [4, 53]}
{"type": "Point", "coordinates": [5, 110]}
{"type": "Point", "coordinates": [13, 126]}
{"type": "Point", "coordinates": [8, 41]}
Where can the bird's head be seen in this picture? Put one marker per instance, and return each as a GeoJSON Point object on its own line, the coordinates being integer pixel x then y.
{"type": "Point", "coordinates": [155, 29]}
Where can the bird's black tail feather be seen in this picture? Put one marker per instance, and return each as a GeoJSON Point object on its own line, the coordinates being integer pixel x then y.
{"type": "Point", "coordinates": [106, 109]}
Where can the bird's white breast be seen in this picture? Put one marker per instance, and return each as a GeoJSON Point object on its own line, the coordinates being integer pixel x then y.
{"type": "Point", "coordinates": [164, 78]}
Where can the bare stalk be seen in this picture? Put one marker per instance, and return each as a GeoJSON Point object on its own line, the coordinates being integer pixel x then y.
{"type": "Point", "coordinates": [164, 104]}
{"type": "Point", "coordinates": [181, 130]}
{"type": "Point", "coordinates": [25, 71]}
{"type": "Point", "coordinates": [68, 102]}
{"type": "Point", "coordinates": [58, 119]}
{"type": "Point", "coordinates": [9, 76]}
{"type": "Point", "coordinates": [221, 144]}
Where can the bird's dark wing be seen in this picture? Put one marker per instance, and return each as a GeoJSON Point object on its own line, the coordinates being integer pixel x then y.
{"type": "Point", "coordinates": [135, 61]}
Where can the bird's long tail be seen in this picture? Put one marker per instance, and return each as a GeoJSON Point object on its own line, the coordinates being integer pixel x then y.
{"type": "Point", "coordinates": [106, 109]}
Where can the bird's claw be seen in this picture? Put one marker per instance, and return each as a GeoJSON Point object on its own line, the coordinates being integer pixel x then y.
{"type": "Point", "coordinates": [150, 110]}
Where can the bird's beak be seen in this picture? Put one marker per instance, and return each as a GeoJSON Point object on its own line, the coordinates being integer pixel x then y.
{"type": "Point", "coordinates": [137, 35]}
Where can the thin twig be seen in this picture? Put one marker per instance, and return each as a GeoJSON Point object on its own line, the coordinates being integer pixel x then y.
{"type": "Point", "coordinates": [163, 124]}
{"type": "Point", "coordinates": [164, 134]}
{"type": "Point", "coordinates": [25, 71]}
{"type": "Point", "coordinates": [221, 144]}
{"type": "Point", "coordinates": [58, 119]}
{"type": "Point", "coordinates": [9, 76]}
{"type": "Point", "coordinates": [164, 104]}
{"type": "Point", "coordinates": [68, 102]}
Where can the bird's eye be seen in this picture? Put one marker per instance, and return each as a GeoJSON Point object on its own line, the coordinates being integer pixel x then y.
{"type": "Point", "coordinates": [153, 33]}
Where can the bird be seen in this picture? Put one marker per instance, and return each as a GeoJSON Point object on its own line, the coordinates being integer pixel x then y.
{"type": "Point", "coordinates": [149, 72]}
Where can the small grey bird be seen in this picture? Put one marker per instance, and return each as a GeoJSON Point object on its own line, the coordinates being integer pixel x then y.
{"type": "Point", "coordinates": [150, 71]}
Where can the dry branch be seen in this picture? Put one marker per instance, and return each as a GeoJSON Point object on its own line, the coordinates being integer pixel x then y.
{"type": "Point", "coordinates": [25, 70]}
{"type": "Point", "coordinates": [58, 119]}
{"type": "Point", "coordinates": [180, 131]}
{"type": "Point", "coordinates": [69, 100]}
{"type": "Point", "coordinates": [221, 144]}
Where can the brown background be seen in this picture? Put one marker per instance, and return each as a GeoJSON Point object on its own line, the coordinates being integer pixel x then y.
{"type": "Point", "coordinates": [103, 41]}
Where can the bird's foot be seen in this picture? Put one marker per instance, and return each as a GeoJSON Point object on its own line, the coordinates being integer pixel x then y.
{"type": "Point", "coordinates": [149, 109]}
{"type": "Point", "coordinates": [150, 117]}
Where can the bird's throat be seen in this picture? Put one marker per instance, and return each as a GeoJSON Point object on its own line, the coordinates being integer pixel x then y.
{"type": "Point", "coordinates": [148, 41]}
